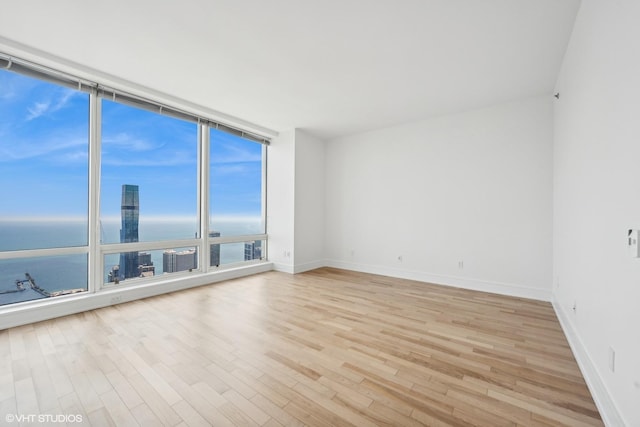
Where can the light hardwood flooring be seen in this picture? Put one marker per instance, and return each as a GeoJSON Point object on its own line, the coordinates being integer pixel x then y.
{"type": "Point", "coordinates": [325, 348]}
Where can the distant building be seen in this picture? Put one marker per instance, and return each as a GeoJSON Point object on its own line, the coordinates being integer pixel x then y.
{"type": "Point", "coordinates": [253, 250]}
{"type": "Point", "coordinates": [114, 274]}
{"type": "Point", "coordinates": [173, 261]}
{"type": "Point", "coordinates": [214, 254]}
{"type": "Point", "coordinates": [129, 214]}
{"type": "Point", "coordinates": [146, 270]}
{"type": "Point", "coordinates": [145, 265]}
{"type": "Point", "coordinates": [132, 264]}
{"type": "Point", "coordinates": [144, 258]}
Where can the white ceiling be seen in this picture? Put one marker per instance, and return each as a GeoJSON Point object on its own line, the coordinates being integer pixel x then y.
{"type": "Point", "coordinates": [330, 67]}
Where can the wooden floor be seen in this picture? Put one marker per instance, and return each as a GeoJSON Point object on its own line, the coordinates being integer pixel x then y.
{"type": "Point", "coordinates": [326, 348]}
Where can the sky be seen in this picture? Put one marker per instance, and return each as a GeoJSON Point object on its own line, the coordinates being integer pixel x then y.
{"type": "Point", "coordinates": [44, 158]}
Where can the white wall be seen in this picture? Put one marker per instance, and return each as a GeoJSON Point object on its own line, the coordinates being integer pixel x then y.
{"type": "Point", "coordinates": [474, 187]}
{"type": "Point", "coordinates": [280, 200]}
{"type": "Point", "coordinates": [597, 198]}
{"type": "Point", "coordinates": [309, 202]}
{"type": "Point", "coordinates": [295, 202]}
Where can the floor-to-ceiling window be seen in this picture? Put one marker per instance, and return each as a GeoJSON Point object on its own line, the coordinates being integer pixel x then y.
{"type": "Point", "coordinates": [44, 146]}
{"type": "Point", "coordinates": [148, 190]}
{"type": "Point", "coordinates": [236, 197]}
{"type": "Point", "coordinates": [101, 189]}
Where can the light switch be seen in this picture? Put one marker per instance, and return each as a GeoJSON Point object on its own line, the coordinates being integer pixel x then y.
{"type": "Point", "coordinates": [633, 236]}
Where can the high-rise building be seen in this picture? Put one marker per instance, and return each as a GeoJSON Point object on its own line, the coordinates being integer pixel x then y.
{"type": "Point", "coordinates": [173, 261]}
{"type": "Point", "coordinates": [145, 265]}
{"type": "Point", "coordinates": [144, 258]}
{"type": "Point", "coordinates": [146, 270]}
{"type": "Point", "coordinates": [129, 213]}
{"type": "Point", "coordinates": [214, 254]}
{"type": "Point", "coordinates": [253, 250]}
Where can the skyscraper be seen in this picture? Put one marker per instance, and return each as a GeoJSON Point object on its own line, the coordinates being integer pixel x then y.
{"type": "Point", "coordinates": [214, 254]}
{"type": "Point", "coordinates": [144, 258]}
{"type": "Point", "coordinates": [145, 265]}
{"type": "Point", "coordinates": [253, 250]}
{"type": "Point", "coordinates": [173, 261]}
{"type": "Point", "coordinates": [129, 213]}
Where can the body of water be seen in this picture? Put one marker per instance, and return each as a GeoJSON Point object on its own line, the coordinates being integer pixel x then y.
{"type": "Point", "coordinates": [58, 273]}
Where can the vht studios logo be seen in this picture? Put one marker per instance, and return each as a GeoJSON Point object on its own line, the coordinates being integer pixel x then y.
{"type": "Point", "coordinates": [43, 418]}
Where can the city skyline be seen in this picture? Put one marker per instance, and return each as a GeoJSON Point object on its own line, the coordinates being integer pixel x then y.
{"type": "Point", "coordinates": [44, 164]}
{"type": "Point", "coordinates": [140, 264]}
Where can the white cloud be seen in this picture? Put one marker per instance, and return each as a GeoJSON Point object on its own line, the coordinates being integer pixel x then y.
{"type": "Point", "coordinates": [229, 169]}
{"type": "Point", "coordinates": [7, 93]}
{"type": "Point", "coordinates": [79, 156]}
{"type": "Point", "coordinates": [123, 149]}
{"type": "Point", "coordinates": [235, 153]}
{"type": "Point", "coordinates": [22, 150]}
{"type": "Point", "coordinates": [50, 106]}
{"type": "Point", "coordinates": [129, 142]}
{"type": "Point", "coordinates": [39, 109]}
{"type": "Point", "coordinates": [174, 159]}
{"type": "Point", "coordinates": [64, 100]}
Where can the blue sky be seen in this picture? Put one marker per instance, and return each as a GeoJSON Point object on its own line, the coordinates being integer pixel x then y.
{"type": "Point", "coordinates": [44, 158]}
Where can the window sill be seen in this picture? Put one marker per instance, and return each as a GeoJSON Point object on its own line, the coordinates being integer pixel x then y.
{"type": "Point", "coordinates": [35, 311]}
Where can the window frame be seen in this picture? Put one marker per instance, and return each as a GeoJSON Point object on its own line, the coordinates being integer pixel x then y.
{"type": "Point", "coordinates": [95, 250]}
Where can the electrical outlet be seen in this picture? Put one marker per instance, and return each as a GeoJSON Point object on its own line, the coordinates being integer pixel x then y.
{"type": "Point", "coordinates": [116, 300]}
{"type": "Point", "coordinates": [400, 258]}
{"type": "Point", "coordinates": [575, 307]}
{"type": "Point", "coordinates": [460, 265]}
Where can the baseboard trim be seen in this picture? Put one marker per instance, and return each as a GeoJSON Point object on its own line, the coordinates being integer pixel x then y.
{"type": "Point", "coordinates": [298, 268]}
{"type": "Point", "coordinates": [601, 396]}
{"type": "Point", "coordinates": [301, 268]}
{"type": "Point", "coordinates": [284, 268]}
{"type": "Point", "coordinates": [445, 280]}
{"type": "Point", "coordinates": [46, 309]}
